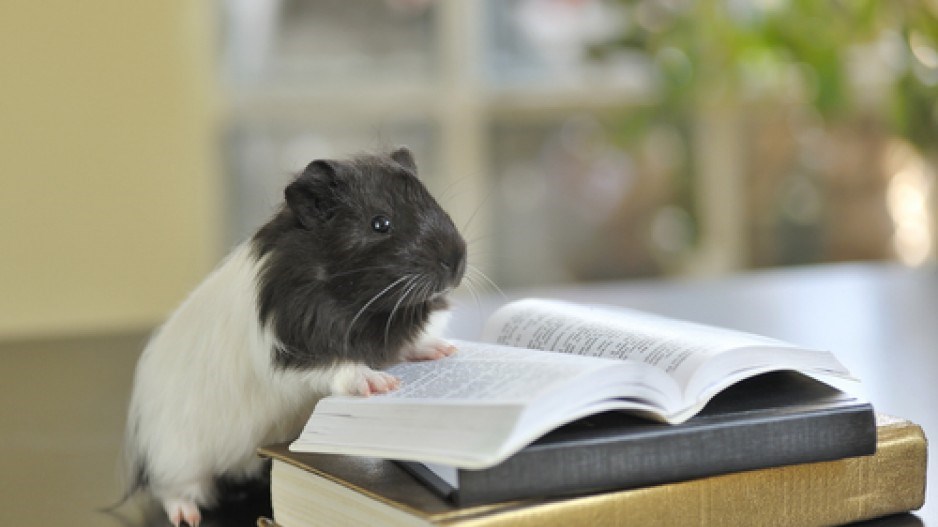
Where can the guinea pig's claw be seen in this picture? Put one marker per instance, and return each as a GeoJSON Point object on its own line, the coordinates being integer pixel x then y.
{"type": "Point", "coordinates": [434, 349]}
{"type": "Point", "coordinates": [379, 382]}
{"type": "Point", "coordinates": [182, 511]}
{"type": "Point", "coordinates": [359, 379]}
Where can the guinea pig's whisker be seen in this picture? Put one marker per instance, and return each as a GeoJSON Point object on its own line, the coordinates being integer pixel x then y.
{"type": "Point", "coordinates": [472, 242]}
{"type": "Point", "coordinates": [428, 289]}
{"type": "Point", "coordinates": [348, 331]}
{"type": "Point", "coordinates": [360, 270]}
{"type": "Point", "coordinates": [478, 272]}
{"type": "Point", "coordinates": [477, 209]}
{"type": "Point", "coordinates": [472, 291]}
{"type": "Point", "coordinates": [289, 351]}
{"type": "Point", "coordinates": [407, 290]}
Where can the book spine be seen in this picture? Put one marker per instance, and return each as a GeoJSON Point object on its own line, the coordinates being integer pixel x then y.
{"type": "Point", "coordinates": [670, 454]}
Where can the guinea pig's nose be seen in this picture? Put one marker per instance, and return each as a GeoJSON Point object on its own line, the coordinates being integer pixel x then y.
{"type": "Point", "coordinates": [454, 265]}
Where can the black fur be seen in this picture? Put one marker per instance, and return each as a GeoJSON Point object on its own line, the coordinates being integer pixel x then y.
{"type": "Point", "coordinates": [324, 263]}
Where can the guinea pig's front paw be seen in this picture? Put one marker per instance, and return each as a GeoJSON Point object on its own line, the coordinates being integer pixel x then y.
{"type": "Point", "coordinates": [358, 379]}
{"type": "Point", "coordinates": [431, 349]}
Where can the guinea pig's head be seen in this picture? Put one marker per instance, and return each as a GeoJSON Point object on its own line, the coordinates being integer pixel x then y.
{"type": "Point", "coordinates": [379, 233]}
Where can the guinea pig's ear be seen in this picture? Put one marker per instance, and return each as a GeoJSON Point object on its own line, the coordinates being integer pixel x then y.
{"type": "Point", "coordinates": [404, 158]}
{"type": "Point", "coordinates": [311, 196]}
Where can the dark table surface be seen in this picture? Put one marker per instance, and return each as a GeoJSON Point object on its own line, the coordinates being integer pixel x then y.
{"type": "Point", "coordinates": [63, 401]}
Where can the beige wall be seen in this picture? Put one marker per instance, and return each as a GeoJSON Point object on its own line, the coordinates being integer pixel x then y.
{"type": "Point", "coordinates": [109, 191]}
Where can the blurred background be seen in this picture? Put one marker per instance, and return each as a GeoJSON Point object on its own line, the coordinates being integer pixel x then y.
{"type": "Point", "coordinates": [574, 140]}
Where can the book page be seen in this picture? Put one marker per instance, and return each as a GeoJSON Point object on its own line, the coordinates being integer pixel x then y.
{"type": "Point", "coordinates": [676, 347]}
{"type": "Point", "coordinates": [487, 372]}
{"type": "Point", "coordinates": [482, 404]}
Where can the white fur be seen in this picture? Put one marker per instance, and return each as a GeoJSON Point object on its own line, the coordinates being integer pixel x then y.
{"type": "Point", "coordinates": [206, 393]}
{"type": "Point", "coordinates": [429, 345]}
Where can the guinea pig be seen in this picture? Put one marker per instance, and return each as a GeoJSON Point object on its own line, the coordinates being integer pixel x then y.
{"type": "Point", "coordinates": [350, 275]}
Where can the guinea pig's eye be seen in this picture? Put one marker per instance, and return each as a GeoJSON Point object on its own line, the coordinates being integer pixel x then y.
{"type": "Point", "coordinates": [381, 224]}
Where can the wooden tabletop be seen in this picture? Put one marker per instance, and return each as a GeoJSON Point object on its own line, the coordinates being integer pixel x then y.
{"type": "Point", "coordinates": [63, 402]}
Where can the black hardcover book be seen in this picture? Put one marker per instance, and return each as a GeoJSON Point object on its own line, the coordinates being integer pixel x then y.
{"type": "Point", "coordinates": [774, 419]}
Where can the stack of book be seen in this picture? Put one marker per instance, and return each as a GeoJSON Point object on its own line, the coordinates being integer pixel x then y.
{"type": "Point", "coordinates": [569, 415]}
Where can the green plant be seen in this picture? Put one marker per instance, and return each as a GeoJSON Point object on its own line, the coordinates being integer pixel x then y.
{"type": "Point", "coordinates": [720, 50]}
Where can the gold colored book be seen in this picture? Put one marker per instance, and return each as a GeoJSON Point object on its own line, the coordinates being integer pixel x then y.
{"type": "Point", "coordinates": [331, 490]}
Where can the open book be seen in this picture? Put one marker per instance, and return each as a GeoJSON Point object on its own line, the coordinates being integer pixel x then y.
{"type": "Point", "coordinates": [543, 364]}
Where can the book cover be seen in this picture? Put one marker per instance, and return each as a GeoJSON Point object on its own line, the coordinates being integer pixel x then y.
{"type": "Point", "coordinates": [322, 489]}
{"type": "Point", "coordinates": [772, 420]}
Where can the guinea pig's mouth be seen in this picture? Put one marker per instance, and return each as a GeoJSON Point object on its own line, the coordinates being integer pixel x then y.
{"type": "Point", "coordinates": [414, 294]}
{"type": "Point", "coordinates": [420, 289]}
{"type": "Point", "coordinates": [440, 294]}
